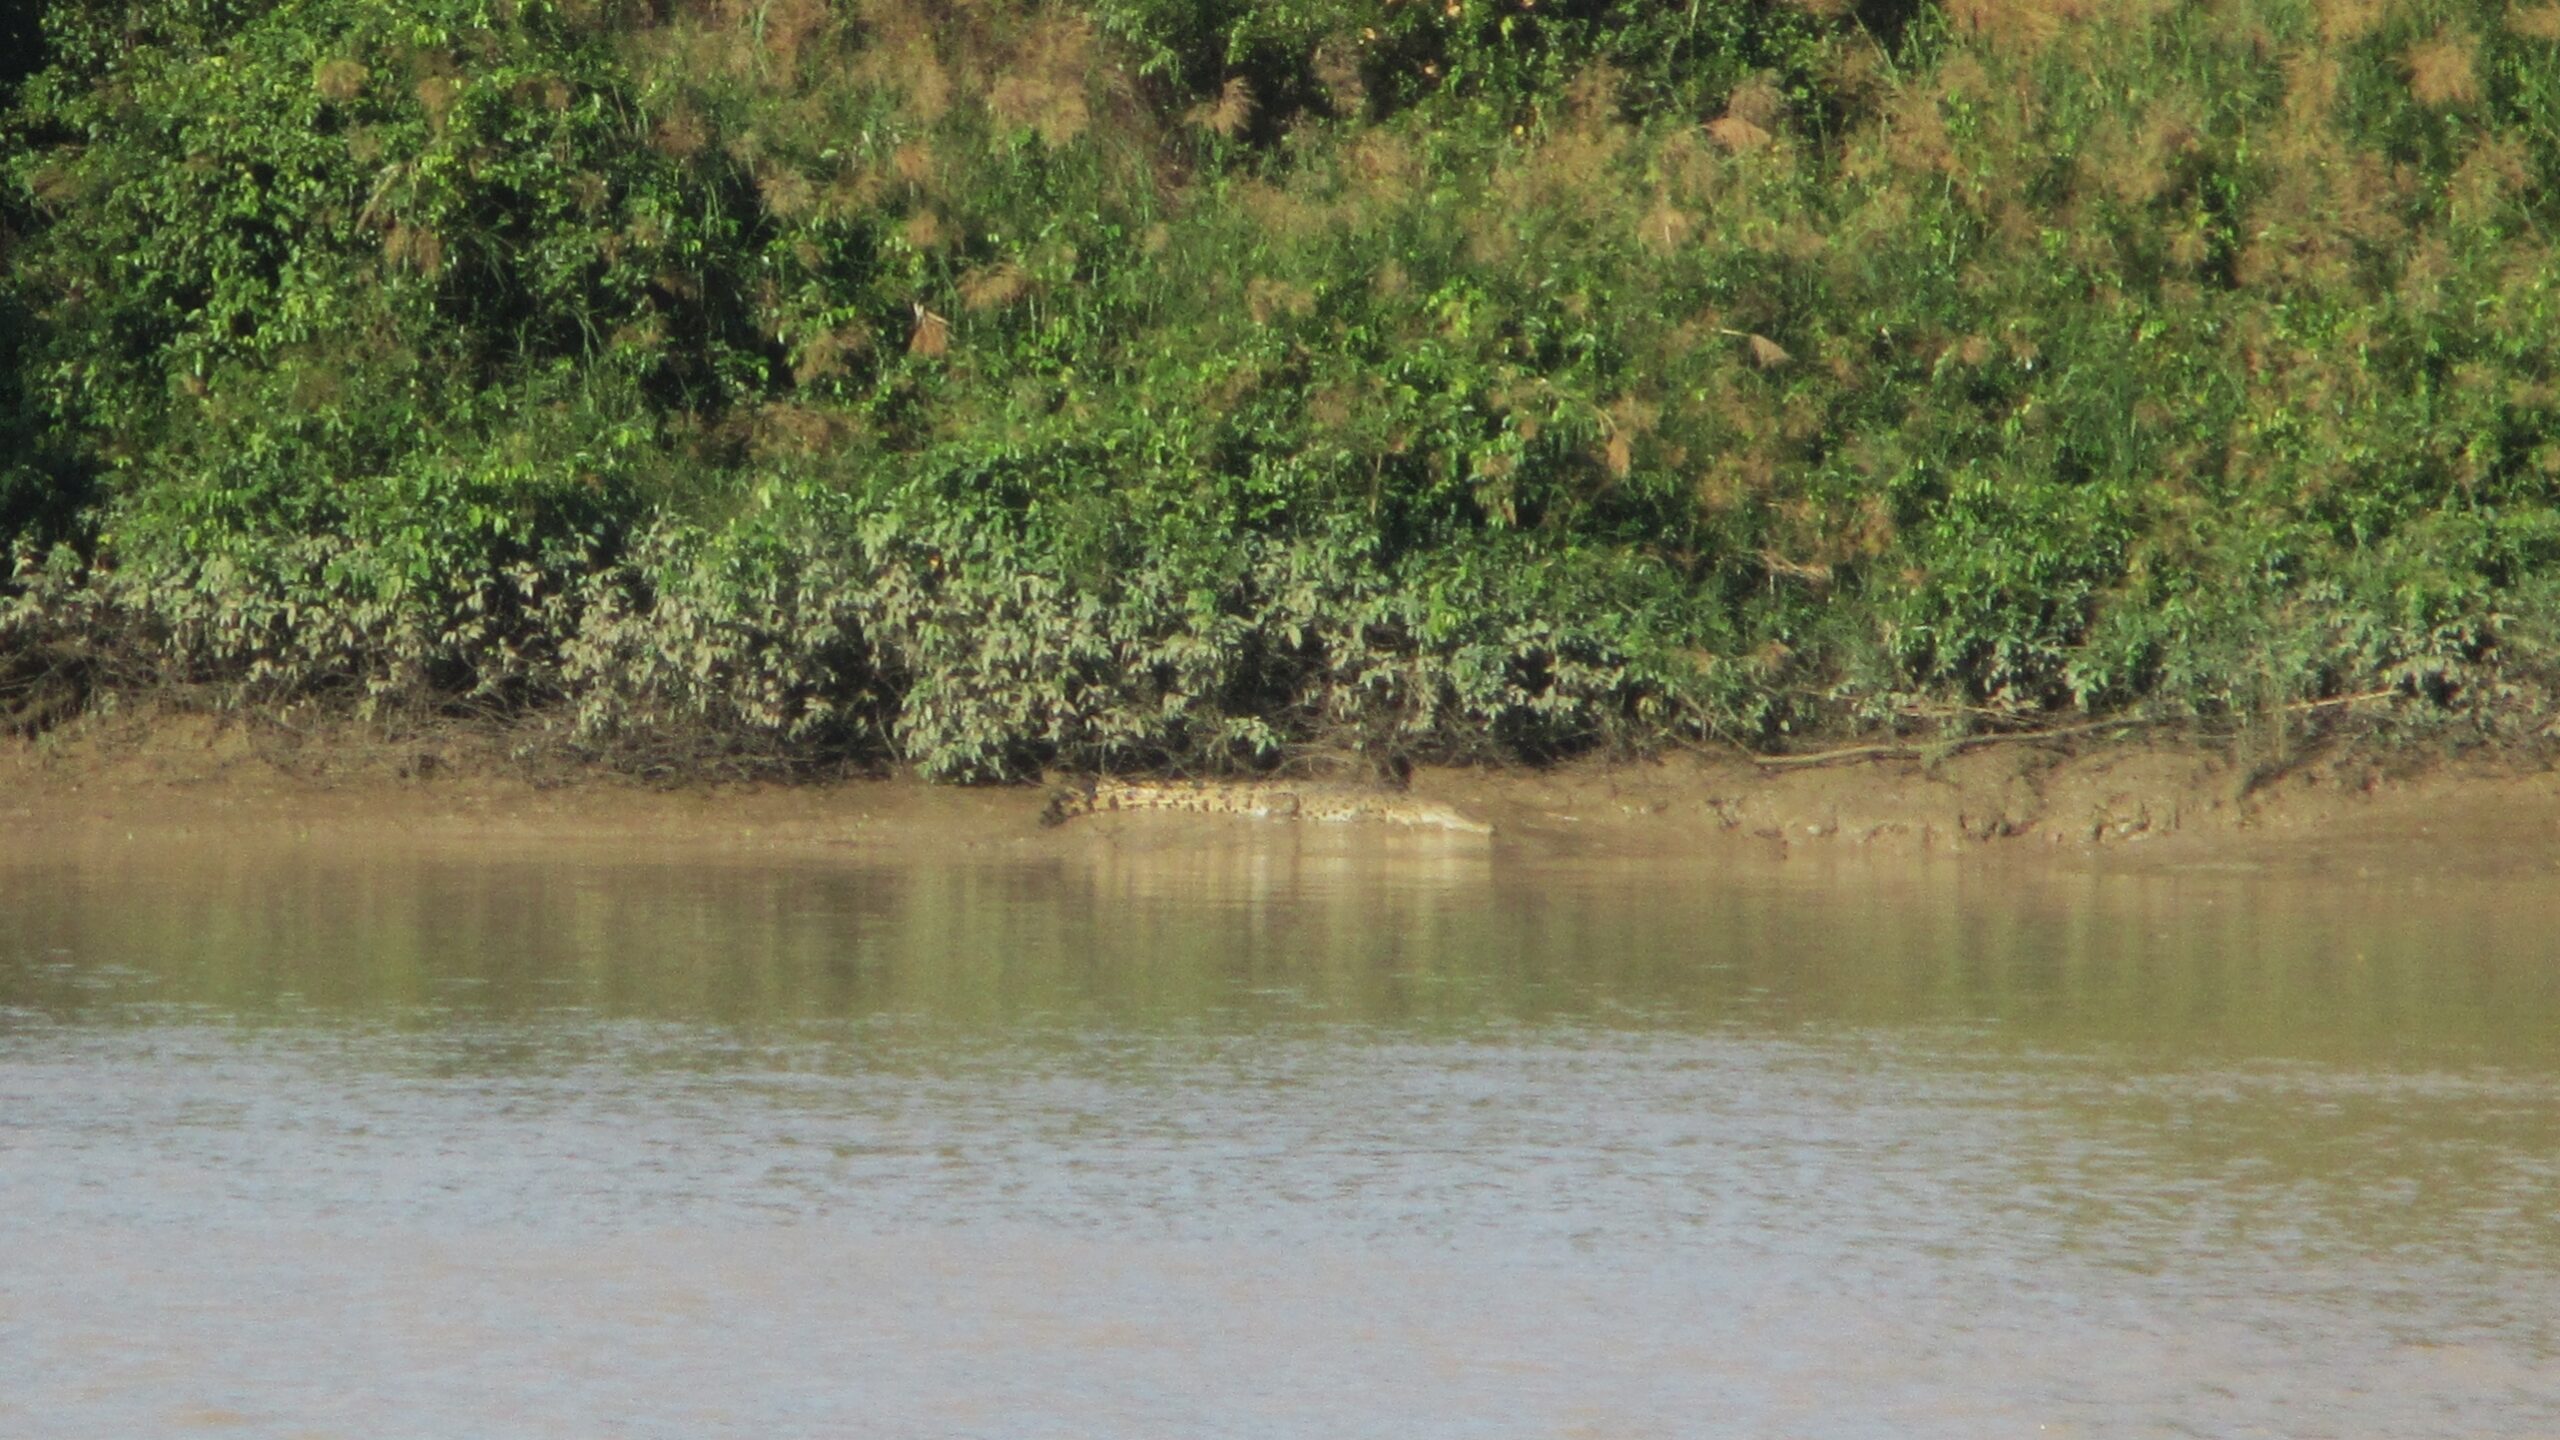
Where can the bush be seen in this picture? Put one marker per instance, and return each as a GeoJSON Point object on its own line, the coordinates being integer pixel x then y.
{"type": "Point", "coordinates": [967, 645]}
{"type": "Point", "coordinates": [1151, 382]}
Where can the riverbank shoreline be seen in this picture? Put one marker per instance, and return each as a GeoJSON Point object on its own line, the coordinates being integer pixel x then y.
{"type": "Point", "coordinates": [194, 778]}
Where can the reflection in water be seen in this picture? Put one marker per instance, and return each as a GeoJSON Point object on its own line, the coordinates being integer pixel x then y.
{"type": "Point", "coordinates": [1383, 1141]}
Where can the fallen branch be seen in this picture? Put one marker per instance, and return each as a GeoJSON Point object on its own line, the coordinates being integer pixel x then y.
{"type": "Point", "coordinates": [2385, 693]}
{"type": "Point", "coordinates": [1899, 750]}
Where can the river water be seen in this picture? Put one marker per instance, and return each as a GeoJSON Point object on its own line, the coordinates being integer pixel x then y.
{"type": "Point", "coordinates": [1392, 1141]}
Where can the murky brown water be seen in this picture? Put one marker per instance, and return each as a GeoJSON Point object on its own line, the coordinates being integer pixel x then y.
{"type": "Point", "coordinates": [1395, 1144]}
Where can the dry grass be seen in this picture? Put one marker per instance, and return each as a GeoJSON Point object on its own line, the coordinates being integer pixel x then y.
{"type": "Point", "coordinates": [680, 134]}
{"type": "Point", "coordinates": [1042, 84]}
{"type": "Point", "coordinates": [1737, 134]}
{"type": "Point", "coordinates": [2444, 68]}
{"type": "Point", "coordinates": [1268, 299]}
{"type": "Point", "coordinates": [436, 95]}
{"type": "Point", "coordinates": [925, 231]}
{"type": "Point", "coordinates": [414, 248]}
{"type": "Point", "coordinates": [1337, 68]}
{"type": "Point", "coordinates": [2136, 164]}
{"type": "Point", "coordinates": [2342, 22]}
{"type": "Point", "coordinates": [339, 80]}
{"type": "Point", "coordinates": [1228, 114]}
{"type": "Point", "coordinates": [822, 355]}
{"type": "Point", "coordinates": [2016, 26]}
{"type": "Point", "coordinates": [2535, 22]}
{"type": "Point", "coordinates": [1665, 227]}
{"type": "Point", "coordinates": [1382, 170]}
{"type": "Point", "coordinates": [993, 287]}
{"type": "Point", "coordinates": [2495, 169]}
{"type": "Point", "coordinates": [786, 193]}
{"type": "Point", "coordinates": [1915, 134]}
{"type": "Point", "coordinates": [931, 337]}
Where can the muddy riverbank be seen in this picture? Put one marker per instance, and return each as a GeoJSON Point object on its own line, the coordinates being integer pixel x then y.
{"type": "Point", "coordinates": [180, 778]}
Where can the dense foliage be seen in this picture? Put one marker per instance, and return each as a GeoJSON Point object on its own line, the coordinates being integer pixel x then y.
{"type": "Point", "coordinates": [992, 385]}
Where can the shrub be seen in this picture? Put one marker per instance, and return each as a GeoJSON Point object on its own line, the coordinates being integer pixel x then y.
{"type": "Point", "coordinates": [1174, 382]}
{"type": "Point", "coordinates": [972, 648]}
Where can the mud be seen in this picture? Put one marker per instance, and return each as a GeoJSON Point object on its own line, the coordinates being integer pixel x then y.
{"type": "Point", "coordinates": [184, 778]}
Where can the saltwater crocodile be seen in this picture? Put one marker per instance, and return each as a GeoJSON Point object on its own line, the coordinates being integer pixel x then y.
{"type": "Point", "coordinates": [1257, 800]}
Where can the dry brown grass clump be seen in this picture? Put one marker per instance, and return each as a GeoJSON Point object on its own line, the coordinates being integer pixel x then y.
{"type": "Point", "coordinates": [2342, 22]}
{"type": "Point", "coordinates": [2444, 68]}
{"type": "Point", "coordinates": [931, 337]}
{"type": "Point", "coordinates": [1041, 84]}
{"type": "Point", "coordinates": [822, 355]}
{"type": "Point", "coordinates": [414, 247]}
{"type": "Point", "coordinates": [1268, 299]}
{"type": "Point", "coordinates": [2535, 22]}
{"type": "Point", "coordinates": [339, 80]}
{"type": "Point", "coordinates": [1228, 114]}
{"type": "Point", "coordinates": [992, 287]}
{"type": "Point", "coordinates": [2016, 26]}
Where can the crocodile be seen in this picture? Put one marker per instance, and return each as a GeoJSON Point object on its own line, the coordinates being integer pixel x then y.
{"type": "Point", "coordinates": [1257, 800]}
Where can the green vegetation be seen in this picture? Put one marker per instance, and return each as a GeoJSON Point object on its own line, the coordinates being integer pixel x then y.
{"type": "Point", "coordinates": [991, 385]}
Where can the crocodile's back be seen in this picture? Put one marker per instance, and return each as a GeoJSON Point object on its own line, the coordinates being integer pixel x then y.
{"type": "Point", "coordinates": [1256, 800]}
